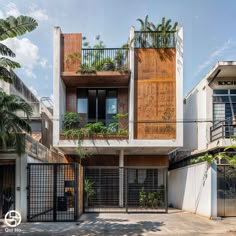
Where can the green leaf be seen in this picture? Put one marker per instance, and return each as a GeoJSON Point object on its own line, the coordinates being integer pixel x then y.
{"type": "Point", "coordinates": [5, 62]}
{"type": "Point", "coordinates": [5, 75]}
{"type": "Point", "coordinates": [5, 51]}
{"type": "Point", "coordinates": [12, 27]}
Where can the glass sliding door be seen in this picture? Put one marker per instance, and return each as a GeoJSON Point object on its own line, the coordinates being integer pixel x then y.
{"type": "Point", "coordinates": [111, 107]}
{"type": "Point", "coordinates": [97, 105]}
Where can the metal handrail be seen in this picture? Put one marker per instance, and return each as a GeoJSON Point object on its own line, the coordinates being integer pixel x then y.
{"type": "Point", "coordinates": [222, 129]}
{"type": "Point", "coordinates": [105, 59]}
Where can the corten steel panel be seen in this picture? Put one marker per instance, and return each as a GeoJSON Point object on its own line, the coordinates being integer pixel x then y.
{"type": "Point", "coordinates": [123, 107]}
{"type": "Point", "coordinates": [71, 99]}
{"type": "Point", "coordinates": [71, 43]}
{"type": "Point", "coordinates": [101, 160]}
{"type": "Point", "coordinates": [155, 94]}
{"type": "Point", "coordinates": [150, 161]}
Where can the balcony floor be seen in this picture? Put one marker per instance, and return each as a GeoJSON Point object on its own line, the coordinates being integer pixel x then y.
{"type": "Point", "coordinates": [100, 79]}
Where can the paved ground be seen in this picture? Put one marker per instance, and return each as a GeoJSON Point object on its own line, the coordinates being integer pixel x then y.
{"type": "Point", "coordinates": [174, 223]}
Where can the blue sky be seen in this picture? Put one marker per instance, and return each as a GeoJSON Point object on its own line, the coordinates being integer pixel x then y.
{"type": "Point", "coordinates": [209, 32]}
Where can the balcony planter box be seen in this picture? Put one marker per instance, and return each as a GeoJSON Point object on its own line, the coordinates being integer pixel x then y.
{"type": "Point", "coordinates": [98, 137]}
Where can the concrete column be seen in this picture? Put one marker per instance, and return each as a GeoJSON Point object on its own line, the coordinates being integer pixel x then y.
{"type": "Point", "coordinates": [23, 187]}
{"type": "Point", "coordinates": [17, 184]}
{"type": "Point", "coordinates": [213, 191]}
{"type": "Point", "coordinates": [131, 84]}
{"type": "Point", "coordinates": [179, 85]}
{"type": "Point", "coordinates": [56, 83]}
{"type": "Point", "coordinates": [121, 179]}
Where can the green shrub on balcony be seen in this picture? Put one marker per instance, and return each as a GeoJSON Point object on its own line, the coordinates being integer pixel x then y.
{"type": "Point", "coordinates": [71, 120]}
{"type": "Point", "coordinates": [91, 129]}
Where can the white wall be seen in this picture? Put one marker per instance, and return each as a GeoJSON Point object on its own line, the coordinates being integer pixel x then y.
{"type": "Point", "coordinates": [197, 114]}
{"type": "Point", "coordinates": [193, 188]}
{"type": "Point", "coordinates": [179, 85]}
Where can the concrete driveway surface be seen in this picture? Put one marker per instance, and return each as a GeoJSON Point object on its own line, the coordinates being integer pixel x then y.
{"type": "Point", "coordinates": [174, 223]}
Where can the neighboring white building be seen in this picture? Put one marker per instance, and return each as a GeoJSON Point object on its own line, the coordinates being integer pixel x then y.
{"type": "Point", "coordinates": [13, 168]}
{"type": "Point", "coordinates": [210, 108]}
{"type": "Point", "coordinates": [209, 124]}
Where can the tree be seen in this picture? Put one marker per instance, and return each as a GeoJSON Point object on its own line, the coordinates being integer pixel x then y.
{"type": "Point", "coordinates": [10, 28]}
{"type": "Point", "coordinates": [11, 125]}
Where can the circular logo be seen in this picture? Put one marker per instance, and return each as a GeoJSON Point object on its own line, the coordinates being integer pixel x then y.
{"type": "Point", "coordinates": [12, 218]}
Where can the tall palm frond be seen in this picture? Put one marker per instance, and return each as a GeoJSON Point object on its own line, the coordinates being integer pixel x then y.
{"type": "Point", "coordinates": [9, 28]}
{"type": "Point", "coordinates": [5, 51]}
{"type": "Point", "coordinates": [12, 26]}
{"type": "Point", "coordinates": [12, 127]}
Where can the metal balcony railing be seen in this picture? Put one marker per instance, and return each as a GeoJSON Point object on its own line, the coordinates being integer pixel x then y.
{"type": "Point", "coordinates": [104, 59]}
{"type": "Point", "coordinates": [154, 39]}
{"type": "Point", "coordinates": [223, 129]}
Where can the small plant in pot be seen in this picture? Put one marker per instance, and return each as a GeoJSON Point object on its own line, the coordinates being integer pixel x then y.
{"type": "Point", "coordinates": [89, 190]}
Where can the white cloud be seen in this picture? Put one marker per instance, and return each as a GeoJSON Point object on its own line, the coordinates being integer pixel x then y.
{"type": "Point", "coordinates": [11, 10]}
{"type": "Point", "coordinates": [43, 62]}
{"type": "Point", "coordinates": [27, 54]}
{"type": "Point", "coordinates": [39, 15]}
{"type": "Point", "coordinates": [213, 57]}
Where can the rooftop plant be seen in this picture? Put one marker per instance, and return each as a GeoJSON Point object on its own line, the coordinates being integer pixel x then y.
{"type": "Point", "coordinates": [99, 60]}
{"type": "Point", "coordinates": [160, 33]}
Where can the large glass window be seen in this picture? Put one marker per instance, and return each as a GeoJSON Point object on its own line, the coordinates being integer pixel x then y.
{"type": "Point", "coordinates": [82, 104]}
{"type": "Point", "coordinates": [224, 104]}
{"type": "Point", "coordinates": [98, 104]}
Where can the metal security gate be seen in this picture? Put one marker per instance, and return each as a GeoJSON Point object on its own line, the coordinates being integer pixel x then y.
{"type": "Point", "coordinates": [146, 189]}
{"type": "Point", "coordinates": [226, 190]}
{"type": "Point", "coordinates": [125, 189]}
{"type": "Point", "coordinates": [7, 186]}
{"type": "Point", "coordinates": [52, 192]}
{"type": "Point", "coordinates": [101, 188]}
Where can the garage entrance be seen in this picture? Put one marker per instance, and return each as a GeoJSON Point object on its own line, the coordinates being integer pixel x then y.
{"type": "Point", "coordinates": [113, 189]}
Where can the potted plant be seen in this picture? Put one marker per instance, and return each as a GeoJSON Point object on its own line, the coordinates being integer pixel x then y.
{"type": "Point", "coordinates": [88, 189]}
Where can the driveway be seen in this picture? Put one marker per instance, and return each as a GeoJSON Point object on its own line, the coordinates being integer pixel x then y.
{"type": "Point", "coordinates": [174, 223]}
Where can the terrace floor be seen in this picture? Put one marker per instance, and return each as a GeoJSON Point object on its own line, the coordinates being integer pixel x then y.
{"type": "Point", "coordinates": [176, 222]}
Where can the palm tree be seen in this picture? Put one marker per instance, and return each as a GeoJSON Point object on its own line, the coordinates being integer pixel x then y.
{"type": "Point", "coordinates": [10, 28]}
{"type": "Point", "coordinates": [12, 127]}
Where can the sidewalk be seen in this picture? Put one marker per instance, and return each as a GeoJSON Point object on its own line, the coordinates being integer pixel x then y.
{"type": "Point", "coordinates": [174, 223]}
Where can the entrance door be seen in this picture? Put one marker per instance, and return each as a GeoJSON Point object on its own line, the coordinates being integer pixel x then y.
{"type": "Point", "coordinates": [7, 186]}
{"type": "Point", "coordinates": [52, 192]}
{"type": "Point", "coordinates": [226, 190]}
